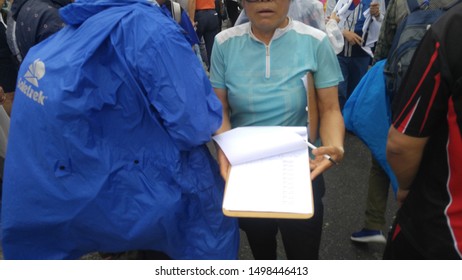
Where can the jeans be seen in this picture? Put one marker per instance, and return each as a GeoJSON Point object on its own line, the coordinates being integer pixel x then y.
{"type": "Point", "coordinates": [208, 26]}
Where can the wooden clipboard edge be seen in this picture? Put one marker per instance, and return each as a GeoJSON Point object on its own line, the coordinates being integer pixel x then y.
{"type": "Point", "coordinates": [255, 214]}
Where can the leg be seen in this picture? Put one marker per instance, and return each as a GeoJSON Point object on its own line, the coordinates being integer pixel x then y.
{"type": "Point", "coordinates": [220, 9]}
{"type": "Point", "coordinates": [302, 238]}
{"type": "Point", "coordinates": [376, 205]}
{"type": "Point", "coordinates": [357, 68]}
{"type": "Point", "coordinates": [200, 29]}
{"type": "Point", "coordinates": [261, 234]}
{"type": "Point", "coordinates": [211, 30]}
{"type": "Point", "coordinates": [377, 197]}
{"type": "Point", "coordinates": [232, 9]}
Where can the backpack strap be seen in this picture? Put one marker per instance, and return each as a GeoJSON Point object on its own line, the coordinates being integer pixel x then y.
{"type": "Point", "coordinates": [413, 5]}
{"type": "Point", "coordinates": [452, 4]}
{"type": "Point", "coordinates": [176, 11]}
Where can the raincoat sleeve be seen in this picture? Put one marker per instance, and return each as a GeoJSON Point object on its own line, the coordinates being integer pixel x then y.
{"type": "Point", "coordinates": [335, 35]}
{"type": "Point", "coordinates": [177, 87]}
{"type": "Point", "coordinates": [186, 24]}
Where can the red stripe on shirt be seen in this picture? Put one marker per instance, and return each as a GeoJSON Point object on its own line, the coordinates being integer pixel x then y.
{"type": "Point", "coordinates": [430, 105]}
{"type": "Point", "coordinates": [396, 232]}
{"type": "Point", "coordinates": [408, 118]}
{"type": "Point", "coordinates": [454, 185]}
{"type": "Point", "coordinates": [427, 70]}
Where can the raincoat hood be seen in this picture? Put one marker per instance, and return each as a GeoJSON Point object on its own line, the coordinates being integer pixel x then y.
{"type": "Point", "coordinates": [81, 10]}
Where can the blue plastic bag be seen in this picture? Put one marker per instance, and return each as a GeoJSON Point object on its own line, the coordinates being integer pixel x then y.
{"type": "Point", "coordinates": [367, 114]}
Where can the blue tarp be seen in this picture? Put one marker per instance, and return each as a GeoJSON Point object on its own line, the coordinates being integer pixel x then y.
{"type": "Point", "coordinates": [367, 114]}
{"type": "Point", "coordinates": [107, 142]}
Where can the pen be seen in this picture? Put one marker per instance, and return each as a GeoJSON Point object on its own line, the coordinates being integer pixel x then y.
{"type": "Point", "coordinates": [326, 156]}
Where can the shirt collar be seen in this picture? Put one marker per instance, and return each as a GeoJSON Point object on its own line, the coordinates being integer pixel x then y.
{"type": "Point", "coordinates": [279, 32]}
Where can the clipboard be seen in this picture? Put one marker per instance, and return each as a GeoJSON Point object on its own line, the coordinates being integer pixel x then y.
{"type": "Point", "coordinates": [269, 213]}
{"type": "Point", "coordinates": [271, 183]}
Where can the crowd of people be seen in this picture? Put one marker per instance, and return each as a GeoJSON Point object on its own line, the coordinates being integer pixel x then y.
{"type": "Point", "coordinates": [108, 107]}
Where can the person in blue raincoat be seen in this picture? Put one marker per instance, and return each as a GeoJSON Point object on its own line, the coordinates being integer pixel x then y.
{"type": "Point", "coordinates": [107, 144]}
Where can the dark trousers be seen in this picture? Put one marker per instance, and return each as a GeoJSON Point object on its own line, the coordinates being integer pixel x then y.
{"type": "Point", "coordinates": [398, 246]}
{"type": "Point", "coordinates": [208, 26]}
{"type": "Point", "coordinates": [233, 10]}
{"type": "Point", "coordinates": [301, 238]}
{"type": "Point", "coordinates": [353, 69]}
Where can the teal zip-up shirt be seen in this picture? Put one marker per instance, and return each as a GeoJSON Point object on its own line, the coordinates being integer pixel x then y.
{"type": "Point", "coordinates": [264, 82]}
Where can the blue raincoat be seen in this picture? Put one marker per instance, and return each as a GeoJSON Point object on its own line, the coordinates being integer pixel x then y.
{"type": "Point", "coordinates": [367, 113]}
{"type": "Point", "coordinates": [107, 142]}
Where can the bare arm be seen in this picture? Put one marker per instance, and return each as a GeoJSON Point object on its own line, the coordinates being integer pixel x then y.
{"type": "Point", "coordinates": [404, 154]}
{"type": "Point", "coordinates": [225, 126]}
{"type": "Point", "coordinates": [332, 131]}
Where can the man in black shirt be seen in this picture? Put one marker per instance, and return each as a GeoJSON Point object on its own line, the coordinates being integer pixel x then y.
{"type": "Point", "coordinates": [425, 148]}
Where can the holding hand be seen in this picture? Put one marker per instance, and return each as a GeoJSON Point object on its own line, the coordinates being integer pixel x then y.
{"type": "Point", "coordinates": [321, 163]}
{"type": "Point", "coordinates": [335, 17]}
{"type": "Point", "coordinates": [352, 37]}
{"type": "Point", "coordinates": [223, 162]}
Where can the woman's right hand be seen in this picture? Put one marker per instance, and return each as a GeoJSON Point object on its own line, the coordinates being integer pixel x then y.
{"type": "Point", "coordinates": [223, 162]}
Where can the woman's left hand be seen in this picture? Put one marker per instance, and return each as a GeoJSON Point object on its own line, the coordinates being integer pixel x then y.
{"type": "Point", "coordinates": [320, 163]}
